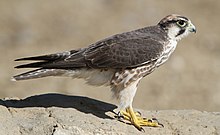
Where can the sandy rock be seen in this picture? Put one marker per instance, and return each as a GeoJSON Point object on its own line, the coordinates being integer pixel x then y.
{"type": "Point", "coordinates": [56, 114]}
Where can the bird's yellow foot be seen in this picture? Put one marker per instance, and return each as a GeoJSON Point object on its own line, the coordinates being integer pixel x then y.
{"type": "Point", "coordinates": [136, 119]}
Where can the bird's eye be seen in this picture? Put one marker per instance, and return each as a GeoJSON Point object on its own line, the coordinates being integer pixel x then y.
{"type": "Point", "coordinates": [181, 23]}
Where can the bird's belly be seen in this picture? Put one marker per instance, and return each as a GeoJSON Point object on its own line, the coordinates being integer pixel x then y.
{"type": "Point", "coordinates": [96, 77]}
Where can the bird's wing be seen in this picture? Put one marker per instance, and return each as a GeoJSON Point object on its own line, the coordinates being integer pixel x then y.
{"type": "Point", "coordinates": [109, 53]}
{"type": "Point", "coordinates": [127, 53]}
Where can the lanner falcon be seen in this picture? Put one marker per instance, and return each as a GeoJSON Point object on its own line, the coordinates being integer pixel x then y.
{"type": "Point", "coordinates": [119, 61]}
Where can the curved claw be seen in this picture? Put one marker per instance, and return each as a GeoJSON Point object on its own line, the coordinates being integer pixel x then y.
{"type": "Point", "coordinates": [160, 124]}
{"type": "Point", "coordinates": [142, 130]}
{"type": "Point", "coordinates": [138, 112]}
{"type": "Point", "coordinates": [135, 119]}
{"type": "Point", "coordinates": [119, 116]}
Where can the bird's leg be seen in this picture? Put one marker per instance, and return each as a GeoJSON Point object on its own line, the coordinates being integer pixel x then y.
{"type": "Point", "coordinates": [136, 119]}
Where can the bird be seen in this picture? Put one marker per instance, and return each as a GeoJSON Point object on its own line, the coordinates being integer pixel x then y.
{"type": "Point", "coordinates": [119, 61]}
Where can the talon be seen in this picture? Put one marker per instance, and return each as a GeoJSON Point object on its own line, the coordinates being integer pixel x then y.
{"type": "Point", "coordinates": [135, 119]}
{"type": "Point", "coordinates": [119, 116]}
{"type": "Point", "coordinates": [142, 130]}
{"type": "Point", "coordinates": [149, 120]}
{"type": "Point", "coordinates": [138, 113]}
{"type": "Point", "coordinates": [161, 125]}
{"type": "Point", "coordinates": [144, 118]}
{"type": "Point", "coordinates": [154, 119]}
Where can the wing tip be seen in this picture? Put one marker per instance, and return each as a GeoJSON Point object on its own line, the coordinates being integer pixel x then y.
{"type": "Point", "coordinates": [17, 60]}
{"type": "Point", "coordinates": [13, 79]}
{"type": "Point", "coordinates": [26, 58]}
{"type": "Point", "coordinates": [21, 59]}
{"type": "Point", "coordinates": [19, 66]}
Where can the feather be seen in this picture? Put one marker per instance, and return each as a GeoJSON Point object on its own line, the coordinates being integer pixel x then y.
{"type": "Point", "coordinates": [126, 50]}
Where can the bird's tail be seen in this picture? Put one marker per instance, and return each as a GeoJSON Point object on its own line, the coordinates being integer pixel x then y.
{"type": "Point", "coordinates": [39, 62]}
{"type": "Point", "coordinates": [50, 65]}
{"type": "Point", "coordinates": [38, 73]}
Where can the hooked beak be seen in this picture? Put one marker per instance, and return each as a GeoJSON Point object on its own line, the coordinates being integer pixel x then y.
{"type": "Point", "coordinates": [192, 28]}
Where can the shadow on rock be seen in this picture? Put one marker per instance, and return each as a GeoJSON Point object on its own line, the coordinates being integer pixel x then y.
{"type": "Point", "coordinates": [83, 104]}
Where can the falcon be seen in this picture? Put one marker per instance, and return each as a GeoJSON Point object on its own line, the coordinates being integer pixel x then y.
{"type": "Point", "coordinates": [119, 61]}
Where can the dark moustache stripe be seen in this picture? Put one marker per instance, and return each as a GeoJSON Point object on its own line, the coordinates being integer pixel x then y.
{"type": "Point", "coordinates": [181, 32]}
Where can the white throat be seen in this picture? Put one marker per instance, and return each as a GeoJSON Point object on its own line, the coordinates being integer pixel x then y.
{"type": "Point", "coordinates": [172, 32]}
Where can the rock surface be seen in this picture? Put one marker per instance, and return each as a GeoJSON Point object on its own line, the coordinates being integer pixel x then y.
{"type": "Point", "coordinates": [56, 114]}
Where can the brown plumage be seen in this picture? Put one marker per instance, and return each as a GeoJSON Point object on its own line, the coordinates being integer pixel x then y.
{"type": "Point", "coordinates": [120, 61]}
{"type": "Point", "coordinates": [126, 50]}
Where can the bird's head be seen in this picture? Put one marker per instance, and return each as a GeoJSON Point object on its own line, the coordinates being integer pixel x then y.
{"type": "Point", "coordinates": [177, 26]}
